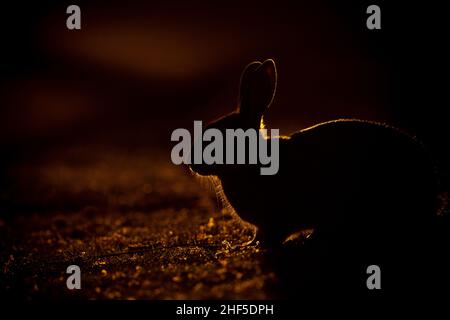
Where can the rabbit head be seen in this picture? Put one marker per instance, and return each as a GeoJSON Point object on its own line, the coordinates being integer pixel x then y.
{"type": "Point", "coordinates": [256, 92]}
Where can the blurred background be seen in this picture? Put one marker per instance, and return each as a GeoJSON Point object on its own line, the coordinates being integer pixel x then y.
{"type": "Point", "coordinates": [86, 116]}
{"type": "Point", "coordinates": [138, 70]}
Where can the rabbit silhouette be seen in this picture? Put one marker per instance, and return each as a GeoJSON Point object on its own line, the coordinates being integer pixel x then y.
{"type": "Point", "coordinates": [347, 176]}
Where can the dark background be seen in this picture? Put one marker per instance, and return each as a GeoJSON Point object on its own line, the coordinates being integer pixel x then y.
{"type": "Point", "coordinates": [86, 116]}
{"type": "Point", "coordinates": [138, 70]}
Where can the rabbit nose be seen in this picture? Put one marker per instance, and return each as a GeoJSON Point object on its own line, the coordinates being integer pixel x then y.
{"type": "Point", "coordinates": [201, 169]}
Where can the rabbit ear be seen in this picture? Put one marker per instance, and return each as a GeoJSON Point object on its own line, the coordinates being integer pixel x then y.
{"type": "Point", "coordinates": [258, 84]}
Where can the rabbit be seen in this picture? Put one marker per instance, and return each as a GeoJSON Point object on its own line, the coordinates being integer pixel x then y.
{"type": "Point", "coordinates": [345, 178]}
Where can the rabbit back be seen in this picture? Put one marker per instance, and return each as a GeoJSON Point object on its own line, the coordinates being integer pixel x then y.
{"type": "Point", "coordinates": [339, 174]}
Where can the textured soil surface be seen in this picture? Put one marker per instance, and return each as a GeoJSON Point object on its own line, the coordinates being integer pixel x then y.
{"type": "Point", "coordinates": [139, 228]}
{"type": "Point", "coordinates": [137, 231]}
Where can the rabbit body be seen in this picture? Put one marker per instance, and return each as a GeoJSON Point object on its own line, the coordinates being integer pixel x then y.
{"type": "Point", "coordinates": [366, 178]}
{"type": "Point", "coordinates": [336, 175]}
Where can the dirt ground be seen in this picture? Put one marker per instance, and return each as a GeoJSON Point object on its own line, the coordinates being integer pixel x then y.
{"type": "Point", "coordinates": [138, 227]}
{"type": "Point", "coordinates": [137, 230]}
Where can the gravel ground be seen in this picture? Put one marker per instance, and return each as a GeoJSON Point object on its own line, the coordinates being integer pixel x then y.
{"type": "Point", "coordinates": [139, 228]}
{"type": "Point", "coordinates": [159, 235]}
